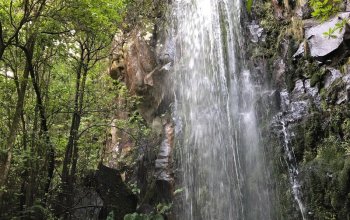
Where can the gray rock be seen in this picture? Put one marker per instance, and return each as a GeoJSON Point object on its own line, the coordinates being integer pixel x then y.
{"type": "Point", "coordinates": [164, 158]}
{"type": "Point", "coordinates": [321, 46]}
{"type": "Point", "coordinates": [346, 80]}
{"type": "Point", "coordinates": [309, 23]}
{"type": "Point", "coordinates": [166, 51]}
{"type": "Point", "coordinates": [292, 105]}
{"type": "Point", "coordinates": [342, 97]}
{"type": "Point", "coordinates": [313, 92]}
{"type": "Point", "coordinates": [301, 51]}
{"type": "Point", "coordinates": [347, 6]}
{"type": "Point", "coordinates": [331, 75]}
{"type": "Point", "coordinates": [256, 32]}
{"type": "Point", "coordinates": [295, 105]}
{"type": "Point", "coordinates": [325, 48]}
{"type": "Point", "coordinates": [299, 89]}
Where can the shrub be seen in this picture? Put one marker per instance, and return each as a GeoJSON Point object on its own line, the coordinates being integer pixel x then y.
{"type": "Point", "coordinates": [324, 9]}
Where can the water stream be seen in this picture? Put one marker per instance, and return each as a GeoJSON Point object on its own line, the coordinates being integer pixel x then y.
{"type": "Point", "coordinates": [292, 169]}
{"type": "Point", "coordinates": [222, 165]}
{"type": "Point", "coordinates": [295, 111]}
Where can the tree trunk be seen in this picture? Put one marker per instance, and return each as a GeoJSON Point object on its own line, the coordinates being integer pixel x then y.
{"type": "Point", "coordinates": [71, 153]}
{"type": "Point", "coordinates": [44, 128]}
{"type": "Point", "coordinates": [10, 142]}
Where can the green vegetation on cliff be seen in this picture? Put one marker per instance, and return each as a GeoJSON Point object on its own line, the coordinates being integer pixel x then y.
{"type": "Point", "coordinates": [319, 139]}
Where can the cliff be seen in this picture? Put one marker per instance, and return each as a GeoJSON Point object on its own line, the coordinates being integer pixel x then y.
{"type": "Point", "coordinates": [305, 76]}
{"type": "Point", "coordinates": [140, 62]}
{"type": "Point", "coordinates": [302, 108]}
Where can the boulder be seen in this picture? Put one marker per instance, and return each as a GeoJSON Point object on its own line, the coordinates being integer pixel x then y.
{"type": "Point", "coordinates": [88, 203]}
{"type": "Point", "coordinates": [325, 48]}
{"type": "Point", "coordinates": [116, 196]}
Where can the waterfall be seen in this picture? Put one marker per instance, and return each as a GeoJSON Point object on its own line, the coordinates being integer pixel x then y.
{"type": "Point", "coordinates": [221, 161]}
{"type": "Point", "coordinates": [292, 169]}
{"type": "Point", "coordinates": [289, 155]}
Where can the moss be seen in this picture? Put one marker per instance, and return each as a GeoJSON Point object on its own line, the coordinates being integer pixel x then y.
{"type": "Point", "coordinates": [330, 95]}
{"type": "Point", "coordinates": [321, 144]}
{"type": "Point", "coordinates": [272, 27]}
{"type": "Point", "coordinates": [313, 134]}
{"type": "Point", "coordinates": [326, 166]}
{"type": "Point", "coordinates": [321, 141]}
{"type": "Point", "coordinates": [296, 29]}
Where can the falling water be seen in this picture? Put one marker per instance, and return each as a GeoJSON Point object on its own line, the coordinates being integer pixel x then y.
{"type": "Point", "coordinates": [222, 165]}
{"type": "Point", "coordinates": [295, 109]}
{"type": "Point", "coordinates": [292, 169]}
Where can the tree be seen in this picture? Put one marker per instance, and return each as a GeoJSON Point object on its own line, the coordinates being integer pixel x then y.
{"type": "Point", "coordinates": [38, 39]}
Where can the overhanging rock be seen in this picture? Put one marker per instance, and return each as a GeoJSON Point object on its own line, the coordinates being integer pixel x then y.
{"type": "Point", "coordinates": [327, 48]}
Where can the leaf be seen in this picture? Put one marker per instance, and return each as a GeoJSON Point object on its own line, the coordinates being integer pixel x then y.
{"type": "Point", "coordinates": [249, 5]}
{"type": "Point", "coordinates": [157, 217]}
{"type": "Point", "coordinates": [179, 191]}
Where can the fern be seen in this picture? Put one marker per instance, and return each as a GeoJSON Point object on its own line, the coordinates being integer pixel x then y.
{"type": "Point", "coordinates": [324, 9]}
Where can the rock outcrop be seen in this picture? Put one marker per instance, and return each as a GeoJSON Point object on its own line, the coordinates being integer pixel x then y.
{"type": "Point", "coordinates": [306, 107]}
{"type": "Point", "coordinates": [144, 69]}
{"type": "Point", "coordinates": [327, 43]}
{"type": "Point", "coordinates": [141, 59]}
{"type": "Point", "coordinates": [116, 196]}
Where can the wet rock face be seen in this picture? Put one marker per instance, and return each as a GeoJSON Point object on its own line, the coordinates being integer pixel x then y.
{"type": "Point", "coordinates": [163, 165]}
{"type": "Point", "coordinates": [163, 162]}
{"type": "Point", "coordinates": [331, 76]}
{"type": "Point", "coordinates": [142, 60]}
{"type": "Point", "coordinates": [337, 88]}
{"type": "Point", "coordinates": [313, 90]}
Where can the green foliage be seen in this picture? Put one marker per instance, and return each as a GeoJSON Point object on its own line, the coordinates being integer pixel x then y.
{"type": "Point", "coordinates": [134, 188]}
{"type": "Point", "coordinates": [136, 216]}
{"type": "Point", "coordinates": [61, 33]}
{"type": "Point", "coordinates": [163, 208]}
{"type": "Point", "coordinates": [323, 9]}
{"type": "Point", "coordinates": [110, 216]}
{"type": "Point", "coordinates": [178, 191]}
{"type": "Point", "coordinates": [330, 33]}
{"type": "Point", "coordinates": [144, 13]}
{"type": "Point", "coordinates": [330, 151]}
{"type": "Point", "coordinates": [317, 76]}
{"type": "Point", "coordinates": [325, 166]}
{"type": "Point", "coordinates": [339, 26]}
{"type": "Point", "coordinates": [249, 5]}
